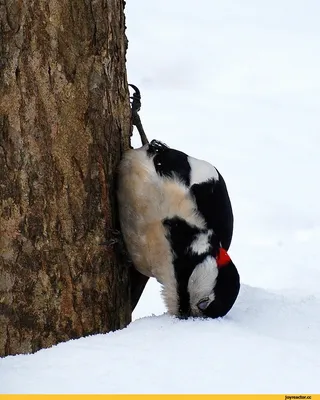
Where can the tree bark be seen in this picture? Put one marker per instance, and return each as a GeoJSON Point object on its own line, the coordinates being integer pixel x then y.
{"type": "Point", "coordinates": [64, 121]}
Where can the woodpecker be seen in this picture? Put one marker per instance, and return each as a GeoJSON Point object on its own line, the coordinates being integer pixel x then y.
{"type": "Point", "coordinates": [177, 223]}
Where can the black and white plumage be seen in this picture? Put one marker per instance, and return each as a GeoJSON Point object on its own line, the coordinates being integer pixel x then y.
{"type": "Point", "coordinates": [176, 216]}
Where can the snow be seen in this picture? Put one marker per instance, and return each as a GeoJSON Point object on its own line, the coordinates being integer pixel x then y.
{"type": "Point", "coordinates": [236, 84]}
{"type": "Point", "coordinates": [269, 343]}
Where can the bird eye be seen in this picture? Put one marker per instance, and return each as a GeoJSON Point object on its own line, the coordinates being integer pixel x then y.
{"type": "Point", "coordinates": [203, 304]}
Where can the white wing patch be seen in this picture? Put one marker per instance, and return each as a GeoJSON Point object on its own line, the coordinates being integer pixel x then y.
{"type": "Point", "coordinates": [201, 171]}
{"type": "Point", "coordinates": [201, 282]}
{"type": "Point", "coordinates": [202, 243]}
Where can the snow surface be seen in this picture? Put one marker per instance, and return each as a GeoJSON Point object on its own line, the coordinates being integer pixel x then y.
{"type": "Point", "coordinates": [237, 84]}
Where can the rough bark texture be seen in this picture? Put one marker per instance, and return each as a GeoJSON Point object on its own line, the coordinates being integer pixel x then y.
{"type": "Point", "coordinates": [64, 120]}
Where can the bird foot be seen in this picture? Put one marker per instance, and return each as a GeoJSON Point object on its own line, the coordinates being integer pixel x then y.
{"type": "Point", "coordinates": [135, 108]}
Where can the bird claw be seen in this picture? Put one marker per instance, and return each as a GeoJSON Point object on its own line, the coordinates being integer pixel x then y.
{"type": "Point", "coordinates": [116, 238]}
{"type": "Point", "coordinates": [136, 99]}
{"type": "Point", "coordinates": [135, 108]}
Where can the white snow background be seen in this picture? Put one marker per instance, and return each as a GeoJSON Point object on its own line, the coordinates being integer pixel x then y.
{"type": "Point", "coordinates": [237, 84]}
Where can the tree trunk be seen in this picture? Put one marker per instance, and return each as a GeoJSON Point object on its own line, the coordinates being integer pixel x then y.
{"type": "Point", "coordinates": [64, 121]}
